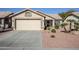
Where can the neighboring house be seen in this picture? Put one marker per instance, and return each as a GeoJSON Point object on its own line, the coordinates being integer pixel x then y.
{"type": "Point", "coordinates": [32, 20]}
{"type": "Point", "coordinates": [5, 21]}
{"type": "Point", "coordinates": [73, 16]}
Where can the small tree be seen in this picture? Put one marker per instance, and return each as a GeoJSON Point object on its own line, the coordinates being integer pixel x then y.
{"type": "Point", "coordinates": [63, 26]}
{"type": "Point", "coordinates": [57, 26]}
{"type": "Point", "coordinates": [65, 14]}
{"type": "Point", "coordinates": [53, 30]}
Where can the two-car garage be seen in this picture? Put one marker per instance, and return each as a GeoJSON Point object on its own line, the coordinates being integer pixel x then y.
{"type": "Point", "coordinates": [28, 20]}
{"type": "Point", "coordinates": [28, 24]}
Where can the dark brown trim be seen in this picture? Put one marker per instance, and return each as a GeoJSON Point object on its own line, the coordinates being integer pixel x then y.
{"type": "Point", "coordinates": [9, 15]}
{"type": "Point", "coordinates": [11, 22]}
{"type": "Point", "coordinates": [15, 24]}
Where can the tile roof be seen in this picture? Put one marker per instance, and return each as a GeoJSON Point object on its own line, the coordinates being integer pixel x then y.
{"type": "Point", "coordinates": [56, 16]}
{"type": "Point", "coordinates": [26, 10]}
{"type": "Point", "coordinates": [4, 14]}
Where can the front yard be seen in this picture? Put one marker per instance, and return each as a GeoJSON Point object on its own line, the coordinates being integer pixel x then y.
{"type": "Point", "coordinates": [39, 39]}
{"type": "Point", "coordinates": [61, 40]}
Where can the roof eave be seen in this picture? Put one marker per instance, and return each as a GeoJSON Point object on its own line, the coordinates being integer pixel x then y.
{"type": "Point", "coordinates": [24, 11]}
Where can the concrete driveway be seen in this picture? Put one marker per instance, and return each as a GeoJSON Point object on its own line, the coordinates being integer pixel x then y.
{"type": "Point", "coordinates": [21, 40]}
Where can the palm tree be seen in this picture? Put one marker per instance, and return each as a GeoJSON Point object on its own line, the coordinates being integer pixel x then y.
{"type": "Point", "coordinates": [65, 14]}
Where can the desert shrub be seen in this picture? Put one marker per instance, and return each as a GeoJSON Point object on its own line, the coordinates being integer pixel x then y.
{"type": "Point", "coordinates": [52, 36]}
{"type": "Point", "coordinates": [63, 24]}
{"type": "Point", "coordinates": [48, 28]}
{"type": "Point", "coordinates": [56, 26]}
{"type": "Point", "coordinates": [53, 30]}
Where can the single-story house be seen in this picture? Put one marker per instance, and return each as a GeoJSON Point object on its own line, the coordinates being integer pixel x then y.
{"type": "Point", "coordinates": [73, 16]}
{"type": "Point", "coordinates": [33, 20]}
{"type": "Point", "coordinates": [5, 20]}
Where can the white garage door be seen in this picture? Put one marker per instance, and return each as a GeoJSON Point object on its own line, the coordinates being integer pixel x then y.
{"type": "Point", "coordinates": [28, 24]}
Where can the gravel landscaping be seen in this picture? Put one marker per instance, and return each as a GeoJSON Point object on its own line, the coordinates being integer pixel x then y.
{"type": "Point", "coordinates": [61, 40]}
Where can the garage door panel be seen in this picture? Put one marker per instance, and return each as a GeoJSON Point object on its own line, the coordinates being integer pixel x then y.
{"type": "Point", "coordinates": [28, 24]}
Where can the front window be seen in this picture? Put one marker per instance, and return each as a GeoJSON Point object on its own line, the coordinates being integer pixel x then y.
{"type": "Point", "coordinates": [57, 22]}
{"type": "Point", "coordinates": [28, 14]}
{"type": "Point", "coordinates": [49, 23]}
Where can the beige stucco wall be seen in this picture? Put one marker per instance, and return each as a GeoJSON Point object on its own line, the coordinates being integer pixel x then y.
{"type": "Point", "coordinates": [22, 16]}
{"type": "Point", "coordinates": [48, 18]}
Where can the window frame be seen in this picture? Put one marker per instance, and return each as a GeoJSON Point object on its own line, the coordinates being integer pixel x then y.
{"type": "Point", "coordinates": [28, 14]}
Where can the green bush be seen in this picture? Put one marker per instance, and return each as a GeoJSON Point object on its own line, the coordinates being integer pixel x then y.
{"type": "Point", "coordinates": [53, 30]}
{"type": "Point", "coordinates": [52, 36]}
{"type": "Point", "coordinates": [48, 28]}
{"type": "Point", "coordinates": [56, 26]}
{"type": "Point", "coordinates": [63, 24]}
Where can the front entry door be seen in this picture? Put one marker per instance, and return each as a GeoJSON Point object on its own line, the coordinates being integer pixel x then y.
{"type": "Point", "coordinates": [48, 23]}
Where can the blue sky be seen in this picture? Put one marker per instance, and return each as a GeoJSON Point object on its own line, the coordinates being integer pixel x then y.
{"type": "Point", "coordinates": [45, 10]}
